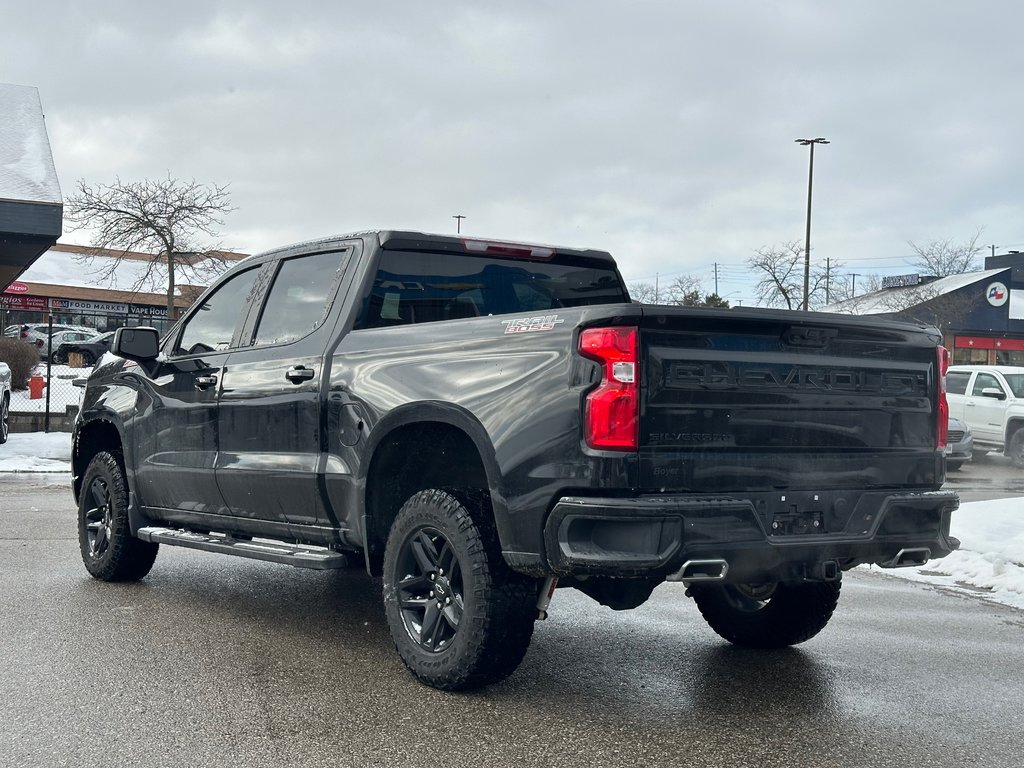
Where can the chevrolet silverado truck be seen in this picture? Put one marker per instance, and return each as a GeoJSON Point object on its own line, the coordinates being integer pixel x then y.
{"type": "Point", "coordinates": [479, 422]}
{"type": "Point", "coordinates": [990, 399]}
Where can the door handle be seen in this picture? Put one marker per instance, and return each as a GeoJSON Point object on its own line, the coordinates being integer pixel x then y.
{"type": "Point", "coordinates": [299, 373]}
{"type": "Point", "coordinates": [205, 382]}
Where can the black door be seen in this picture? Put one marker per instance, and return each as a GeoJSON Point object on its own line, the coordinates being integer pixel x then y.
{"type": "Point", "coordinates": [271, 435]}
{"type": "Point", "coordinates": [174, 434]}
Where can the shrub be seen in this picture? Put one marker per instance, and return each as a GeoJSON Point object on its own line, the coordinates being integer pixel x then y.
{"type": "Point", "coordinates": [22, 359]}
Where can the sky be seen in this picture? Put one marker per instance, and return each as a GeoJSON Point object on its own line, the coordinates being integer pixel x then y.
{"type": "Point", "coordinates": [989, 564]}
{"type": "Point", "coordinates": [662, 131]}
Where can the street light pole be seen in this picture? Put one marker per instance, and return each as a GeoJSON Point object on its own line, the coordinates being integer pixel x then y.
{"type": "Point", "coordinates": [807, 237]}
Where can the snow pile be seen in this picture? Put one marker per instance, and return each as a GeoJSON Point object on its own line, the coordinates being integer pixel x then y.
{"type": "Point", "coordinates": [990, 561]}
{"type": "Point", "coordinates": [36, 452]}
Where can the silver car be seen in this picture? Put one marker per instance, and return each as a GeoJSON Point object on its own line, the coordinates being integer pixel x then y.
{"type": "Point", "coordinates": [959, 443]}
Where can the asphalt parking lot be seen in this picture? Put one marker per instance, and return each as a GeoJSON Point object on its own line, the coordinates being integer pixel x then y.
{"type": "Point", "coordinates": [214, 661]}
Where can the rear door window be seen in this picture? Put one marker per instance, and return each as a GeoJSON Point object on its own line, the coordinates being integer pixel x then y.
{"type": "Point", "coordinates": [956, 382]}
{"type": "Point", "coordinates": [300, 297]}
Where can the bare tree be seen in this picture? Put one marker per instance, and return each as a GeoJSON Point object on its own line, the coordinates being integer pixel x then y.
{"type": "Point", "coordinates": [677, 292]}
{"type": "Point", "coordinates": [645, 293]}
{"type": "Point", "coordinates": [684, 291]}
{"type": "Point", "coordinates": [944, 257]}
{"type": "Point", "coordinates": [781, 270]}
{"type": "Point", "coordinates": [164, 218]}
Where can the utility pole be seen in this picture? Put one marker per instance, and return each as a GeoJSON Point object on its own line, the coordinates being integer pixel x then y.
{"type": "Point", "coordinates": [716, 278]}
{"type": "Point", "coordinates": [807, 239]}
{"type": "Point", "coordinates": [458, 223]}
{"type": "Point", "coordinates": [828, 280]}
{"type": "Point", "coordinates": [853, 286]}
{"type": "Point", "coordinates": [993, 251]}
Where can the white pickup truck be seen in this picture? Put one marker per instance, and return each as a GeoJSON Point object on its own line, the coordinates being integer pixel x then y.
{"type": "Point", "coordinates": [5, 400]}
{"type": "Point", "coordinates": [990, 398]}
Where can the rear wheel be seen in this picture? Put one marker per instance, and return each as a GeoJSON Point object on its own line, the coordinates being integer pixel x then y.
{"type": "Point", "coordinates": [954, 464]}
{"type": "Point", "coordinates": [109, 550]}
{"type": "Point", "coordinates": [770, 615]}
{"type": "Point", "coordinates": [459, 617]}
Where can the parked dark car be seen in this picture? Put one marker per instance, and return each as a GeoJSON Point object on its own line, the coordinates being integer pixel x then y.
{"type": "Point", "coordinates": [91, 349]}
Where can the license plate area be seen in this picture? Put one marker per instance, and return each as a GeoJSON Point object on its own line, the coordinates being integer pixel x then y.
{"type": "Point", "coordinates": [797, 523]}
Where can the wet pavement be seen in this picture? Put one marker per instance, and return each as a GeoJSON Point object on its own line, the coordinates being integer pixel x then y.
{"type": "Point", "coordinates": [988, 476]}
{"type": "Point", "coordinates": [215, 661]}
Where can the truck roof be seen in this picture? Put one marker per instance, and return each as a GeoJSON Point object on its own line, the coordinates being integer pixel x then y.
{"type": "Point", "coordinates": [396, 239]}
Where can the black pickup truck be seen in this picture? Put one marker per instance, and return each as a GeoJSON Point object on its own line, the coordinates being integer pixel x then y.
{"type": "Point", "coordinates": [480, 421]}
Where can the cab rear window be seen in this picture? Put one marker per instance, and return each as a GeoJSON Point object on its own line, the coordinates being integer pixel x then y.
{"type": "Point", "coordinates": [417, 287]}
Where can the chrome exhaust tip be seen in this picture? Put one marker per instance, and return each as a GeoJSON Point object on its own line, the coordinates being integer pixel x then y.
{"type": "Point", "coordinates": [908, 558]}
{"type": "Point", "coordinates": [700, 570]}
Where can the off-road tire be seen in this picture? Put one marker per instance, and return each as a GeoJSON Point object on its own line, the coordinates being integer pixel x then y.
{"type": "Point", "coordinates": [770, 615]}
{"type": "Point", "coordinates": [481, 631]}
{"type": "Point", "coordinates": [5, 418]}
{"type": "Point", "coordinates": [1015, 448]}
{"type": "Point", "coordinates": [109, 551]}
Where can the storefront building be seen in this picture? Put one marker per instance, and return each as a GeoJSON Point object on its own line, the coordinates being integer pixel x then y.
{"type": "Point", "coordinates": [981, 314]}
{"type": "Point", "coordinates": [56, 288]}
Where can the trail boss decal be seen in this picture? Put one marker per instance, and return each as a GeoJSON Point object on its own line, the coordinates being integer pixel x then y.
{"type": "Point", "coordinates": [530, 324]}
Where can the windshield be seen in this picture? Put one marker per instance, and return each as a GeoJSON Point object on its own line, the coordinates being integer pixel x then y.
{"type": "Point", "coordinates": [1016, 382]}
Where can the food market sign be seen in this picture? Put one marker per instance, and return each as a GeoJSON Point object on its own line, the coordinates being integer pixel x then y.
{"type": "Point", "coordinates": [94, 307]}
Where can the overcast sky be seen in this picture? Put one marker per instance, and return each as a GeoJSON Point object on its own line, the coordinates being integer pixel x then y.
{"type": "Point", "coordinates": [661, 131]}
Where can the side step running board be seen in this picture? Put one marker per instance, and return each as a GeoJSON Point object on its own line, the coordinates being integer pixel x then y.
{"type": "Point", "coordinates": [272, 551]}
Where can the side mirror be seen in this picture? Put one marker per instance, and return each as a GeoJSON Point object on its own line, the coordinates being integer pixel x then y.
{"type": "Point", "coordinates": [994, 392]}
{"type": "Point", "coordinates": [139, 343]}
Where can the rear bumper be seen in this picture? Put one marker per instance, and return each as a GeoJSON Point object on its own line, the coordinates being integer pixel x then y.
{"type": "Point", "coordinates": [762, 537]}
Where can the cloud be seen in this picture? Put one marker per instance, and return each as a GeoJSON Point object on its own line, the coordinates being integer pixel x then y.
{"type": "Point", "coordinates": [660, 130]}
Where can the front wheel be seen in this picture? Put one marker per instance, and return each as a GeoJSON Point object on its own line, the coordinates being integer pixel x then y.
{"type": "Point", "coordinates": [109, 550]}
{"type": "Point", "coordinates": [771, 615]}
{"type": "Point", "coordinates": [459, 617]}
{"type": "Point", "coordinates": [1015, 448]}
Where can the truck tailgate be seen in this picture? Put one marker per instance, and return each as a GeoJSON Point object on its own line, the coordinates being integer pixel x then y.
{"type": "Point", "coordinates": [769, 401]}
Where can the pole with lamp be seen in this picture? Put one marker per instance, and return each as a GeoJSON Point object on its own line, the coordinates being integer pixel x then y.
{"type": "Point", "coordinates": [807, 238]}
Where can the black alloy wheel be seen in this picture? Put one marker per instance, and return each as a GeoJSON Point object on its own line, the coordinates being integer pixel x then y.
{"type": "Point", "coordinates": [431, 593]}
{"type": "Point", "coordinates": [460, 618]}
{"type": "Point", "coordinates": [5, 418]}
{"type": "Point", "coordinates": [109, 551]}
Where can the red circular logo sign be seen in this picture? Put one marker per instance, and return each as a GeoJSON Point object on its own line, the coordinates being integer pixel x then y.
{"type": "Point", "coordinates": [16, 288]}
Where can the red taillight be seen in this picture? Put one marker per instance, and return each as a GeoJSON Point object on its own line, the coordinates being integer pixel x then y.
{"type": "Point", "coordinates": [612, 411]}
{"type": "Point", "coordinates": [942, 412]}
